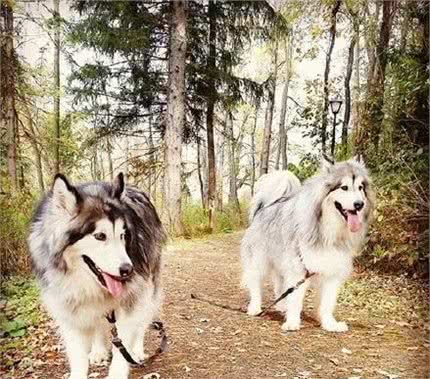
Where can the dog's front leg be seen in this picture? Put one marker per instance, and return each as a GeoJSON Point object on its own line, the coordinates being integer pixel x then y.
{"type": "Point", "coordinates": [294, 304]}
{"type": "Point", "coordinates": [126, 327]}
{"type": "Point", "coordinates": [328, 296]}
{"type": "Point", "coordinates": [78, 343]}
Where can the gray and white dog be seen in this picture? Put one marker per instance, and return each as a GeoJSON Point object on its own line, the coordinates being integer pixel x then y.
{"type": "Point", "coordinates": [96, 247]}
{"type": "Point", "coordinates": [316, 226]}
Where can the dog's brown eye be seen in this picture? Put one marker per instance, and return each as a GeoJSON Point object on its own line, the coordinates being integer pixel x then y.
{"type": "Point", "coordinates": [100, 236]}
{"type": "Point", "coordinates": [345, 188]}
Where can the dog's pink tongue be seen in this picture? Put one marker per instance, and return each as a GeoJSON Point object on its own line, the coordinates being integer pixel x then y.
{"type": "Point", "coordinates": [354, 222]}
{"type": "Point", "coordinates": [113, 286]}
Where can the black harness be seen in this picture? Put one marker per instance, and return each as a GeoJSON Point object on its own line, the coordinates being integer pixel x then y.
{"type": "Point", "coordinates": [116, 341]}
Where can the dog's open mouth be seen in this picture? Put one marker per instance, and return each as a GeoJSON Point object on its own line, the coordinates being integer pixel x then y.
{"type": "Point", "coordinates": [113, 284]}
{"type": "Point", "coordinates": [350, 216]}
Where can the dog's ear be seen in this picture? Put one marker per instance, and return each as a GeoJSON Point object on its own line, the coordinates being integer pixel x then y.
{"type": "Point", "coordinates": [326, 163]}
{"type": "Point", "coordinates": [118, 186]}
{"type": "Point", "coordinates": [359, 159]}
{"type": "Point", "coordinates": [64, 195]}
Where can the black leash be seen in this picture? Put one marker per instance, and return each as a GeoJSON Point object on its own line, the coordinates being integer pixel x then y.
{"type": "Point", "coordinates": [116, 341]}
{"type": "Point", "coordinates": [287, 292]}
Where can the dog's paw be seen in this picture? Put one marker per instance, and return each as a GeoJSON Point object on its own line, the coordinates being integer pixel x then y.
{"type": "Point", "coordinates": [139, 355]}
{"type": "Point", "coordinates": [98, 356]}
{"type": "Point", "coordinates": [291, 325]}
{"type": "Point", "coordinates": [335, 326]}
{"type": "Point", "coordinates": [253, 310]}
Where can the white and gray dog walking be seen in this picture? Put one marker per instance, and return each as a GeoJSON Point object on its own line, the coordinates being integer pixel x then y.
{"type": "Point", "coordinates": [316, 227]}
{"type": "Point", "coordinates": [96, 247]}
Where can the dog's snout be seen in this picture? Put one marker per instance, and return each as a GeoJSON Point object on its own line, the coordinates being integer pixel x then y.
{"type": "Point", "coordinates": [125, 270]}
{"type": "Point", "coordinates": [358, 205]}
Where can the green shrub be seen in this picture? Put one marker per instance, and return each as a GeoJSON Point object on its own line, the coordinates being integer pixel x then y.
{"type": "Point", "coordinates": [195, 220]}
{"type": "Point", "coordinates": [15, 215]}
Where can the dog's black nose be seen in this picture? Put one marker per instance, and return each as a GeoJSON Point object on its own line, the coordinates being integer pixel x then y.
{"type": "Point", "coordinates": [358, 205]}
{"type": "Point", "coordinates": [125, 270]}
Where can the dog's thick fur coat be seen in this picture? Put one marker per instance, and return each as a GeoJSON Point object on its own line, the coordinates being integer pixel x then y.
{"type": "Point", "coordinates": [317, 226]}
{"type": "Point", "coordinates": [95, 248]}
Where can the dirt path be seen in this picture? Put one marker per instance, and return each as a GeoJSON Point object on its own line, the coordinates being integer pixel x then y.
{"type": "Point", "coordinates": [388, 336]}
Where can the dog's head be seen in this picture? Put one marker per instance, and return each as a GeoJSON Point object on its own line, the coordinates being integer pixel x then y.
{"type": "Point", "coordinates": [349, 197]}
{"type": "Point", "coordinates": [97, 232]}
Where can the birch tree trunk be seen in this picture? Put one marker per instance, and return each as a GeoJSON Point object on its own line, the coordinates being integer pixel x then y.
{"type": "Point", "coordinates": [8, 78]}
{"type": "Point", "coordinates": [265, 152]}
{"type": "Point", "coordinates": [175, 118]}
{"type": "Point", "coordinates": [324, 122]}
{"type": "Point", "coordinates": [210, 114]}
{"type": "Point", "coordinates": [57, 46]}
{"type": "Point", "coordinates": [253, 152]}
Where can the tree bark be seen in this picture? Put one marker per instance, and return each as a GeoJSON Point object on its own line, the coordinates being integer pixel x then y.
{"type": "Point", "coordinates": [267, 137]}
{"type": "Point", "coordinates": [347, 113]}
{"type": "Point", "coordinates": [232, 162]}
{"type": "Point", "coordinates": [211, 100]}
{"type": "Point", "coordinates": [57, 46]}
{"type": "Point", "coordinates": [8, 94]}
{"type": "Point", "coordinates": [324, 122]}
{"type": "Point", "coordinates": [175, 118]}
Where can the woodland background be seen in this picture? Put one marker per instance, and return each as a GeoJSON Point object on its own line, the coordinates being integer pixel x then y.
{"type": "Point", "coordinates": [195, 100]}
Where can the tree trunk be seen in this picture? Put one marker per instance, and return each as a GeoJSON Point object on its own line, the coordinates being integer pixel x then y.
{"type": "Point", "coordinates": [36, 149]}
{"type": "Point", "coordinates": [126, 154]}
{"type": "Point", "coordinates": [221, 152]}
{"type": "Point", "coordinates": [8, 79]}
{"type": "Point", "coordinates": [253, 152]}
{"type": "Point", "coordinates": [211, 66]}
{"type": "Point", "coordinates": [347, 114]}
{"type": "Point", "coordinates": [375, 100]}
{"type": "Point", "coordinates": [324, 122]}
{"type": "Point", "coordinates": [57, 45]}
{"type": "Point", "coordinates": [109, 154]}
{"type": "Point", "coordinates": [175, 118]}
{"type": "Point", "coordinates": [265, 151]}
{"type": "Point", "coordinates": [199, 173]}
{"type": "Point", "coordinates": [370, 46]}
{"type": "Point", "coordinates": [233, 199]}
{"type": "Point", "coordinates": [357, 102]}
{"type": "Point", "coordinates": [282, 152]}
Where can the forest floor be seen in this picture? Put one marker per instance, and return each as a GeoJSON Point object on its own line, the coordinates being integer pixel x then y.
{"type": "Point", "coordinates": [387, 315]}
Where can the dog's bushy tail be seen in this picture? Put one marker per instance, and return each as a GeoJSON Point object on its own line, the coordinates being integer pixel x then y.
{"type": "Point", "coordinates": [271, 187]}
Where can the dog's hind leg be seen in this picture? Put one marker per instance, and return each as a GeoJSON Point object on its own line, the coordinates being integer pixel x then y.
{"type": "Point", "coordinates": [78, 343]}
{"type": "Point", "coordinates": [251, 279]}
{"type": "Point", "coordinates": [278, 287]}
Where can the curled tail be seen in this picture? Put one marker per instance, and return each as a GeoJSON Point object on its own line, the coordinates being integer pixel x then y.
{"type": "Point", "coordinates": [271, 187]}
